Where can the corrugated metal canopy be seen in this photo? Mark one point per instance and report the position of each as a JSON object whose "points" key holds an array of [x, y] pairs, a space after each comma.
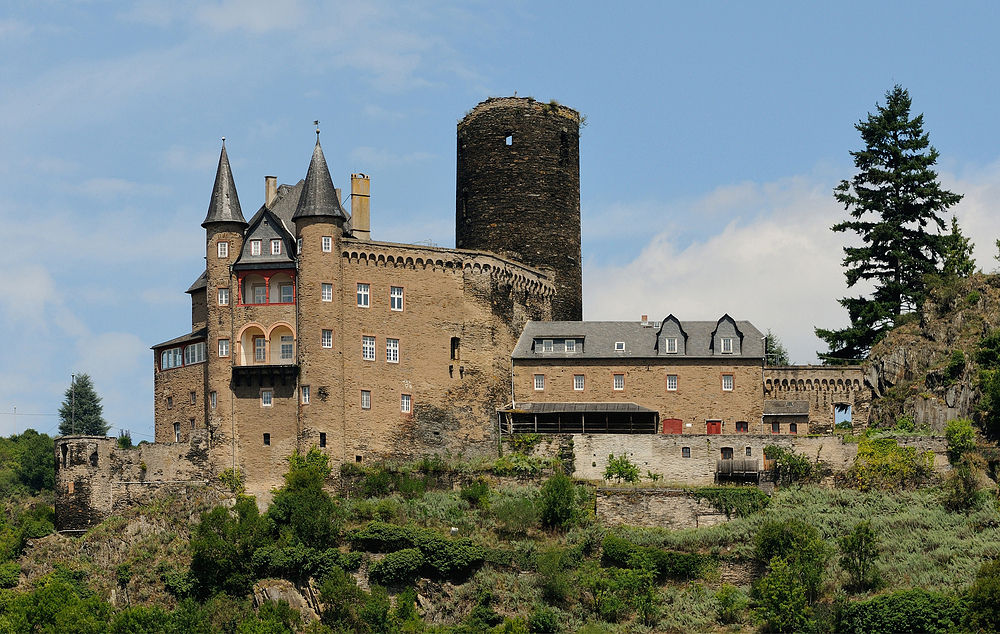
{"points": [[558, 408]]}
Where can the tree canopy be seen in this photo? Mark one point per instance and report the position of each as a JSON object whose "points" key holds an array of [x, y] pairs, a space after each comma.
{"points": [[777, 354], [81, 412], [897, 209]]}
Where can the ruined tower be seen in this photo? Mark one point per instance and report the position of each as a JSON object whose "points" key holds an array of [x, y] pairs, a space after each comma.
{"points": [[518, 190]]}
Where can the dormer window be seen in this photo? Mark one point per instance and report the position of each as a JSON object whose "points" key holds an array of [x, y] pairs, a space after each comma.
{"points": [[727, 345], [671, 344], [546, 345], [619, 346], [276, 247], [571, 345], [255, 247]]}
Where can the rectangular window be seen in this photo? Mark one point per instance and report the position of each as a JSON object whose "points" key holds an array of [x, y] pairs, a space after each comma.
{"points": [[267, 440], [172, 358], [546, 345], [287, 348], [742, 427], [223, 297], [266, 397], [685, 452], [793, 428], [619, 381], [539, 382], [392, 350], [456, 348], [727, 345], [170, 402], [298, 246], [223, 347], [366, 399], [259, 349], [213, 396], [327, 340], [327, 292], [727, 382], [404, 403], [304, 390], [749, 451], [775, 428], [396, 298], [619, 346], [368, 348], [287, 293], [276, 247], [259, 294], [362, 295], [192, 423], [194, 398], [177, 432], [571, 345], [671, 382], [223, 249], [322, 439], [327, 244], [578, 382], [671, 344], [255, 247], [195, 353]]}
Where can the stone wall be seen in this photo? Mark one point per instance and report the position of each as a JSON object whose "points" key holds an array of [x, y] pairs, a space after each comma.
{"points": [[824, 387], [664, 508]]}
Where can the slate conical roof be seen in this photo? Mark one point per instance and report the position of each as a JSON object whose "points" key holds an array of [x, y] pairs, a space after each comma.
{"points": [[225, 204], [319, 197]]}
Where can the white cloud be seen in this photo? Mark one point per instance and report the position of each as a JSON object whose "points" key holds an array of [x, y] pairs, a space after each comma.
{"points": [[256, 16]]}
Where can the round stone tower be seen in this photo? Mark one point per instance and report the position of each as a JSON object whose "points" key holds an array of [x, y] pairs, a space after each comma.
{"points": [[518, 190]]}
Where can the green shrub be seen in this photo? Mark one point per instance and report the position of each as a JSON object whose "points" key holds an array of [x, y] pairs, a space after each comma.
{"points": [[10, 574], [905, 424], [859, 550], [955, 368], [477, 493], [983, 607], [782, 602], [962, 491], [558, 501], [914, 610], [516, 514], [553, 580], [734, 501], [961, 438], [731, 604], [443, 557], [401, 566], [664, 563], [789, 466], [798, 546], [544, 620], [621, 469], [882, 464]]}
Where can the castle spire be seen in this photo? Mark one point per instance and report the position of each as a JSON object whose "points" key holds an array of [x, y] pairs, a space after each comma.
{"points": [[319, 198], [225, 204]]}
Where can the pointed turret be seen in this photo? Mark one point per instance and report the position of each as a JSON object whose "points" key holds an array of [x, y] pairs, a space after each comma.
{"points": [[225, 204], [319, 198]]}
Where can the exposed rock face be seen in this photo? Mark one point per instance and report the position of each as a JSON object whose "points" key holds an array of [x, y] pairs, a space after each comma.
{"points": [[282, 590], [913, 371]]}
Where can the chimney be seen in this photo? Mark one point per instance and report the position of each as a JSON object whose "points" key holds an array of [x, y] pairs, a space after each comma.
{"points": [[270, 190], [645, 320], [360, 206]]}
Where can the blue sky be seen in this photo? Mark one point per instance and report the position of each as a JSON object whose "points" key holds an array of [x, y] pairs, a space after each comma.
{"points": [[715, 134]]}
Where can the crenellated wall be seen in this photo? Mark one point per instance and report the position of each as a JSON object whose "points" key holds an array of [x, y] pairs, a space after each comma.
{"points": [[824, 387]]}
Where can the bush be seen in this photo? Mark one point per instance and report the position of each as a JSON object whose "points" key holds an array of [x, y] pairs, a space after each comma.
{"points": [[789, 466], [734, 501], [442, 557], [731, 603], [544, 620], [782, 604], [961, 438], [956, 366], [558, 501], [905, 424], [516, 514], [962, 491], [882, 464], [859, 550], [621, 469], [664, 563], [477, 493], [914, 610], [10, 574], [401, 566], [983, 611], [799, 547]]}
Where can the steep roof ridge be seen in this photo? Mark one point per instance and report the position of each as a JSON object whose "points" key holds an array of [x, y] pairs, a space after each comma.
{"points": [[225, 204], [319, 197]]}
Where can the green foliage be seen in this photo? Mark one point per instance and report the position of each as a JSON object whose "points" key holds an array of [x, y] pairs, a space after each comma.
{"points": [[914, 610], [731, 604], [124, 439], [961, 438], [905, 424], [957, 253], [520, 465], [10, 574], [222, 548], [516, 514], [799, 547], [544, 620], [955, 368], [553, 578], [777, 354], [444, 558], [81, 412], [962, 491], [35, 466], [621, 469], [892, 200], [664, 563], [558, 501], [858, 552], [734, 501], [789, 466], [314, 460], [524, 442], [401, 566], [983, 599], [882, 464], [233, 479], [301, 511], [782, 604], [477, 493]]}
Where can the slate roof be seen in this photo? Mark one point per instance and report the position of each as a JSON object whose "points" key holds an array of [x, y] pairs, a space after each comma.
{"points": [[319, 197], [599, 338], [225, 204], [265, 226], [200, 283], [197, 335], [554, 408]]}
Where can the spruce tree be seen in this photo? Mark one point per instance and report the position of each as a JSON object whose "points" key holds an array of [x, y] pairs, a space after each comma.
{"points": [[81, 413], [897, 210]]}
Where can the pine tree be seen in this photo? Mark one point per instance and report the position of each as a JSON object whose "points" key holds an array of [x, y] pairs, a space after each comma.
{"points": [[777, 354], [81, 413], [958, 260], [896, 206]]}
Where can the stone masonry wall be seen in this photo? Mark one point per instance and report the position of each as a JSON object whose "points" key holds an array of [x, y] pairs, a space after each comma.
{"points": [[824, 387], [671, 509]]}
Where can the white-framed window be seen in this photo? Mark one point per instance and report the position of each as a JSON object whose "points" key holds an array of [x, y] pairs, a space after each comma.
{"points": [[177, 432], [327, 339], [619, 382], [172, 358], [255, 247], [368, 348], [727, 345], [223, 249], [396, 298], [571, 345], [287, 293], [546, 345], [287, 348], [195, 353], [539, 382], [363, 295], [327, 292], [213, 397], [327, 244], [276, 247], [619, 346], [259, 294], [366, 399], [266, 398], [579, 381], [727, 382], [404, 403], [671, 382], [671, 344], [223, 347], [392, 350], [298, 247], [304, 391], [223, 297], [259, 349]]}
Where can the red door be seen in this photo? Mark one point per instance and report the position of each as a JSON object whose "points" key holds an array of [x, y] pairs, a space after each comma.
{"points": [[672, 426], [714, 426]]}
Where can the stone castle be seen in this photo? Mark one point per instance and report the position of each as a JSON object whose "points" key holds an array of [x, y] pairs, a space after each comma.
{"points": [[306, 332]]}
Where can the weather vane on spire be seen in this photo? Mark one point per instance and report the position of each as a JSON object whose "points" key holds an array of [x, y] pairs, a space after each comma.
{"points": [[316, 123]]}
